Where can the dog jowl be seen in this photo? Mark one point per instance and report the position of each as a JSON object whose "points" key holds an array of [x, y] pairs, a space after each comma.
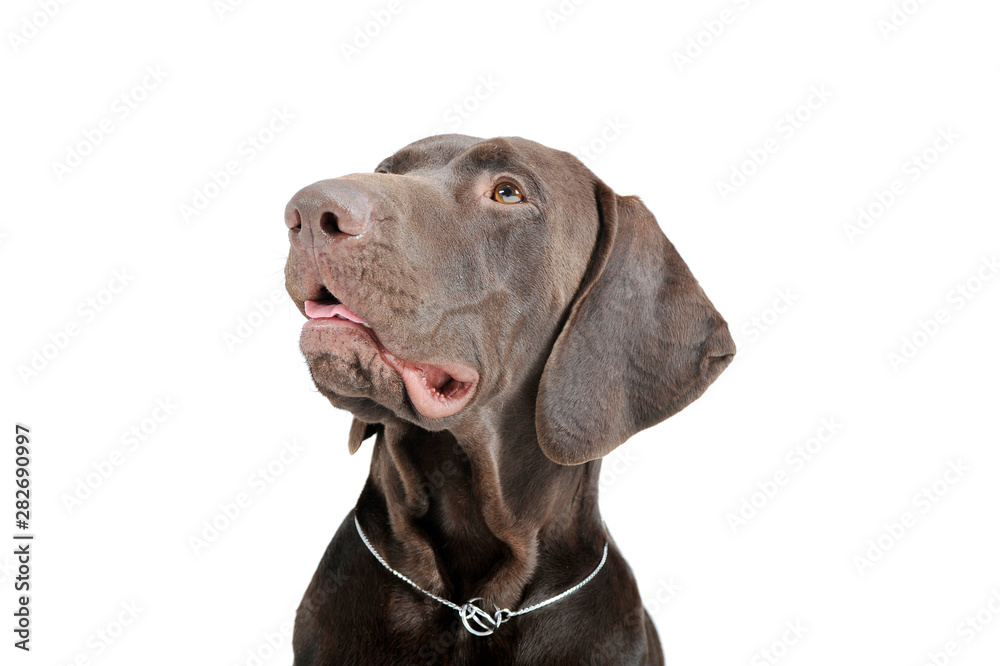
{"points": [[499, 320]]}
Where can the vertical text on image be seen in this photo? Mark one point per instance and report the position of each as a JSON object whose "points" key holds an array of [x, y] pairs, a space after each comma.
{"points": [[22, 540]]}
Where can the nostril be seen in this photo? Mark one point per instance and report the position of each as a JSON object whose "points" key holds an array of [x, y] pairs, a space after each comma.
{"points": [[328, 211], [292, 218], [328, 223]]}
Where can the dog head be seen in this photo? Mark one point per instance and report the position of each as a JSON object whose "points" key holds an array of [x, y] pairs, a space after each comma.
{"points": [[468, 276]]}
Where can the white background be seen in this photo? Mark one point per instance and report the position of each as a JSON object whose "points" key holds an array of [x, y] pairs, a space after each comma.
{"points": [[602, 76]]}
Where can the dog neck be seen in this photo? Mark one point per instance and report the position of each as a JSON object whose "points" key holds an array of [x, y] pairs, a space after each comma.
{"points": [[467, 516]]}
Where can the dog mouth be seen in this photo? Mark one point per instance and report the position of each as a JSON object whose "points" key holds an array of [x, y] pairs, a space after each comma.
{"points": [[436, 390]]}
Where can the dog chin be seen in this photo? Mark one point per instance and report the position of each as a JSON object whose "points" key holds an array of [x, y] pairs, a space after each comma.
{"points": [[351, 378], [364, 409]]}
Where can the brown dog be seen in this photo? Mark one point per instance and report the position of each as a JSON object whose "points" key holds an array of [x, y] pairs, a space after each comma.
{"points": [[500, 320]]}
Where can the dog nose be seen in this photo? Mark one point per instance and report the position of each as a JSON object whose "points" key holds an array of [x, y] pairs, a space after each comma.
{"points": [[326, 211]]}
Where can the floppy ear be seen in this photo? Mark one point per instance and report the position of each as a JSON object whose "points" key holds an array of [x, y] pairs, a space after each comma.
{"points": [[360, 431], [641, 341]]}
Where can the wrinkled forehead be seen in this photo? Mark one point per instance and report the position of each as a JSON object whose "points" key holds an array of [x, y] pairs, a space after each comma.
{"points": [[460, 159]]}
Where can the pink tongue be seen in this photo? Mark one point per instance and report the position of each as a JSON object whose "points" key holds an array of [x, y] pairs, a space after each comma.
{"points": [[317, 310]]}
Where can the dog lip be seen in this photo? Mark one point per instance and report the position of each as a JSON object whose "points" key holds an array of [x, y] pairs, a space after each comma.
{"points": [[435, 390]]}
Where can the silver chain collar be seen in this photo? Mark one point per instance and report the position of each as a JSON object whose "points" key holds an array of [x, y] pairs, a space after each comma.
{"points": [[477, 621]]}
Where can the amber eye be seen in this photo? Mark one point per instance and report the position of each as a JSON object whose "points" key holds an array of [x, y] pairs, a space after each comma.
{"points": [[507, 193]]}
